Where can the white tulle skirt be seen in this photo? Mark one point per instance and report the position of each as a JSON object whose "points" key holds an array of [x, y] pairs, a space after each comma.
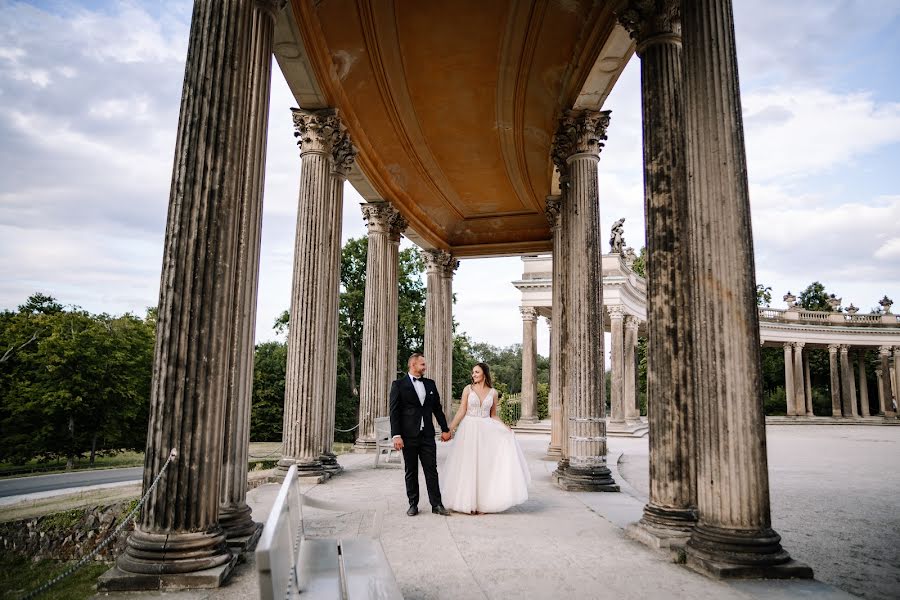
{"points": [[485, 470]]}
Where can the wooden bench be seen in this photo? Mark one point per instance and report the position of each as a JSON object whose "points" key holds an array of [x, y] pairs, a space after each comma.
{"points": [[290, 565], [384, 443]]}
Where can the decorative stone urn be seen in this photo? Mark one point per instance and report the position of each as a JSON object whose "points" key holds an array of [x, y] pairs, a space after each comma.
{"points": [[852, 310], [791, 300], [834, 303], [886, 304]]}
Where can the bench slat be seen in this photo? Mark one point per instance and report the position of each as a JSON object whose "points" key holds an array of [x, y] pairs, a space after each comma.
{"points": [[368, 574], [319, 569]]}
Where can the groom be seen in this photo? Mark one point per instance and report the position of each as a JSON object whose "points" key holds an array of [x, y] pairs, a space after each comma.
{"points": [[413, 400]]}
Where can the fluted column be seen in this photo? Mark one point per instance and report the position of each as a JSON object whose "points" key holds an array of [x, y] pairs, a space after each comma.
{"points": [[576, 152], [617, 364], [398, 227], [863, 384], [789, 386], [807, 385], [445, 369], [439, 267], [799, 380], [555, 324], [733, 536], [895, 379], [178, 531], [887, 386], [529, 365], [835, 380], [343, 155], [234, 514], [848, 399], [880, 391], [629, 387], [304, 402], [379, 321]]}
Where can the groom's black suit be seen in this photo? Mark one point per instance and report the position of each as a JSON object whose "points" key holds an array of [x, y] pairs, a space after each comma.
{"points": [[411, 420]]}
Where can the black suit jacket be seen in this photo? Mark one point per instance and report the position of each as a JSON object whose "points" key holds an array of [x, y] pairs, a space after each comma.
{"points": [[407, 413]]}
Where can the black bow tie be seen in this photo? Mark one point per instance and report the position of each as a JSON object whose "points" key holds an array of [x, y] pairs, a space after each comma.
{"points": [[417, 379]]}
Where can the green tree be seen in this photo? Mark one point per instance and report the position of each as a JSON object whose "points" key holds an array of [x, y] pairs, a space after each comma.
{"points": [[763, 295], [267, 413], [640, 263], [814, 297]]}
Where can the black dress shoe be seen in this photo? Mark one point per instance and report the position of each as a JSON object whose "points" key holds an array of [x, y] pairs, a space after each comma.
{"points": [[440, 510], [413, 510]]}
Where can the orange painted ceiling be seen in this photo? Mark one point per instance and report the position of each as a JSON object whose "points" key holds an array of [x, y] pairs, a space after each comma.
{"points": [[452, 105]]}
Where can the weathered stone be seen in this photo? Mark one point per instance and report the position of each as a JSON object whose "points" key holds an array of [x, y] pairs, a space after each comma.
{"points": [[557, 377], [835, 380], [529, 365], [439, 269]]}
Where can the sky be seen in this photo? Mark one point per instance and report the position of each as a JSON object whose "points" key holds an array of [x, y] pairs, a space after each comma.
{"points": [[89, 96]]}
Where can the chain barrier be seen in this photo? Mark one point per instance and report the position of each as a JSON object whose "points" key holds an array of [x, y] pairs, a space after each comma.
{"points": [[347, 430], [85, 559], [272, 453]]}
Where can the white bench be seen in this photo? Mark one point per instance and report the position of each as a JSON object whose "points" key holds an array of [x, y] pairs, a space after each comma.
{"points": [[384, 444], [289, 565]]}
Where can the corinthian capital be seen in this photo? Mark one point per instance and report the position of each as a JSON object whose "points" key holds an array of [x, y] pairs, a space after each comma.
{"points": [[398, 225], [436, 261], [316, 131], [554, 205], [528, 313], [579, 132], [378, 216], [651, 20], [344, 154]]}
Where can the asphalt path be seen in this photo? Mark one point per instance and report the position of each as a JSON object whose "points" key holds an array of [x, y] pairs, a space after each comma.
{"points": [[20, 486]]}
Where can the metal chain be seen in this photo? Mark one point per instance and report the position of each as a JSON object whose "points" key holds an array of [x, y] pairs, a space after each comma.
{"points": [[272, 453], [84, 560], [347, 430]]}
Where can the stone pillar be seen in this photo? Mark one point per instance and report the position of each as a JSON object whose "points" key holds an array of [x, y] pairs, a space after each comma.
{"points": [[789, 386], [234, 514], [887, 386], [556, 328], [895, 380], [848, 398], [629, 388], [379, 321], [576, 152], [733, 536], [446, 367], [439, 268], [835, 380], [529, 365], [807, 385], [880, 392], [178, 533], [863, 384], [799, 380], [304, 401], [343, 156], [617, 364]]}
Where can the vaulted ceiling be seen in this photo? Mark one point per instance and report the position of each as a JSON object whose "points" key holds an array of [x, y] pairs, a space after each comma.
{"points": [[452, 104]]}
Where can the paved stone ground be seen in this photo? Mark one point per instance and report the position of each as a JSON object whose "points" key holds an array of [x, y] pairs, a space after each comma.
{"points": [[835, 500]]}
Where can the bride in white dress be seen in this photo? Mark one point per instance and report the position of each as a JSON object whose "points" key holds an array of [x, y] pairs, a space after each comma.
{"points": [[485, 471]]}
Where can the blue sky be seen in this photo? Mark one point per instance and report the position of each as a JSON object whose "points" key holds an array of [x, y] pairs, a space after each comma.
{"points": [[89, 95]]}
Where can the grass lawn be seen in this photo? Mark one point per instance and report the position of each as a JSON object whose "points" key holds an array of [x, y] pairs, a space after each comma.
{"points": [[20, 575]]}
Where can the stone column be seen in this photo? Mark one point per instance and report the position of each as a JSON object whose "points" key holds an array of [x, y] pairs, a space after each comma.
{"points": [[629, 388], [789, 386], [304, 402], [617, 364], [446, 366], [576, 152], [529, 364], [234, 514], [808, 385], [556, 328], [863, 384], [895, 380], [439, 267], [733, 535], [178, 535], [343, 156], [887, 385], [880, 392], [379, 320], [848, 398], [835, 380], [799, 380]]}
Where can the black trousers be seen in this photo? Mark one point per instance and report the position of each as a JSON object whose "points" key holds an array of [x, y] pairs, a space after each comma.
{"points": [[421, 448]]}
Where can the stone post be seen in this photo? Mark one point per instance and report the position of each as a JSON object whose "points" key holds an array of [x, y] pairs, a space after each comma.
{"points": [[446, 367], [343, 156], [895, 380], [234, 514], [880, 392], [529, 365], [178, 537], [576, 152], [887, 385], [789, 386], [556, 328], [848, 399], [379, 321], [439, 267], [807, 385], [617, 364], [629, 389], [835, 380], [304, 401], [733, 536], [799, 380], [863, 384]]}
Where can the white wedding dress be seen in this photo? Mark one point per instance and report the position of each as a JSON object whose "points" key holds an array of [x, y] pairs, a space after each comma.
{"points": [[486, 469]]}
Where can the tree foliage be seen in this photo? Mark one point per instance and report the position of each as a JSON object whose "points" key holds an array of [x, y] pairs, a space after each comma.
{"points": [[814, 297]]}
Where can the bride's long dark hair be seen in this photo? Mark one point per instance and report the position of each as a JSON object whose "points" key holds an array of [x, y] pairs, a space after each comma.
{"points": [[487, 374]]}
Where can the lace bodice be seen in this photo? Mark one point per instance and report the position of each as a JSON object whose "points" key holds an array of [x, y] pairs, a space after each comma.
{"points": [[477, 407]]}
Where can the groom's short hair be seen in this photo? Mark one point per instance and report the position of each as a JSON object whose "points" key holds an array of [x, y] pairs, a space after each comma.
{"points": [[414, 356]]}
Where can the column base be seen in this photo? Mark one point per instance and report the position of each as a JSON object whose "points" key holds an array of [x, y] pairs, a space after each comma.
{"points": [[117, 580], [236, 521], [159, 554], [740, 554], [554, 452], [364, 445], [310, 470], [664, 529], [836, 413], [637, 428], [330, 464], [585, 479], [528, 420], [245, 543]]}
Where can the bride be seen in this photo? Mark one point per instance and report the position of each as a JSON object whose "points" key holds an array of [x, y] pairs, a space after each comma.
{"points": [[486, 469]]}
